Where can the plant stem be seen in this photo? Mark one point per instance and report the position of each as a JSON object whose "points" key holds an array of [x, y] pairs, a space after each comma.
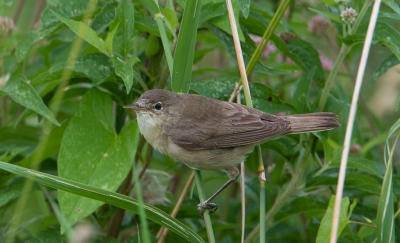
{"points": [[267, 36], [286, 194], [206, 215]]}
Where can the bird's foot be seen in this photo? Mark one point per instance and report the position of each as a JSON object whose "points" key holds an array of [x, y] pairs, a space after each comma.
{"points": [[212, 207]]}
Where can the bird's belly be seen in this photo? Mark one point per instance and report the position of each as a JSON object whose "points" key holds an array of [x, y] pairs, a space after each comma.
{"points": [[209, 159]]}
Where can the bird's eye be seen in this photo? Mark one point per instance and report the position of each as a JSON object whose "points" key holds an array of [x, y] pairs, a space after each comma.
{"points": [[158, 106]]}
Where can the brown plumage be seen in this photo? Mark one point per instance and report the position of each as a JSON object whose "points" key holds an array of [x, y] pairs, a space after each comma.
{"points": [[210, 134]]}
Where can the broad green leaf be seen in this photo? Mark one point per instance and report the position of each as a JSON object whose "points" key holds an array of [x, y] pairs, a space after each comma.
{"points": [[255, 23], [389, 62], [24, 94], [85, 32], [301, 88], [156, 215], [95, 66], [125, 70], [103, 19], [184, 54], [124, 38], [362, 164], [392, 4], [307, 59], [334, 17], [355, 181], [211, 10], [301, 205], [92, 153], [388, 36], [324, 231], [244, 6]]}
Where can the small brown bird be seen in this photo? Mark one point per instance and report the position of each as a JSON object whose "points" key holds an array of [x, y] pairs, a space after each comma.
{"points": [[210, 134]]}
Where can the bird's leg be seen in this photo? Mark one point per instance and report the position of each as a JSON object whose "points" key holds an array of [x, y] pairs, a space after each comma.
{"points": [[233, 174]]}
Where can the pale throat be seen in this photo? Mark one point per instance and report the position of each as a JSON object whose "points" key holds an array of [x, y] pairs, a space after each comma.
{"points": [[153, 130]]}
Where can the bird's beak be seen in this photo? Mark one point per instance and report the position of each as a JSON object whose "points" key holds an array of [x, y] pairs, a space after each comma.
{"points": [[135, 106]]}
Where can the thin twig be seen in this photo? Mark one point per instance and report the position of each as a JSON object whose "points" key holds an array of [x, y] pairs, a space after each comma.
{"points": [[162, 233]]}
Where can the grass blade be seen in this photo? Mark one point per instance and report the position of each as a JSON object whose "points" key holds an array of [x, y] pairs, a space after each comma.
{"points": [[118, 200]]}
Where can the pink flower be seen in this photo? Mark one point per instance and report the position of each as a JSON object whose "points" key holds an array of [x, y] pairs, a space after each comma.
{"points": [[327, 64], [318, 25], [268, 49]]}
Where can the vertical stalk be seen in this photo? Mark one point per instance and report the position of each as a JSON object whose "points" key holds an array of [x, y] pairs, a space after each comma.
{"points": [[206, 215]]}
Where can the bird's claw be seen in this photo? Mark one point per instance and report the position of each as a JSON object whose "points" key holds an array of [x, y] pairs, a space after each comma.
{"points": [[201, 207]]}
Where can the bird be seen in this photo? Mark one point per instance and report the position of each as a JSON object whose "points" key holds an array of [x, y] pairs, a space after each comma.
{"points": [[209, 134]]}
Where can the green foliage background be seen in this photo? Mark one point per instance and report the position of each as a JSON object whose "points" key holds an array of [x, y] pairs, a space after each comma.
{"points": [[68, 68]]}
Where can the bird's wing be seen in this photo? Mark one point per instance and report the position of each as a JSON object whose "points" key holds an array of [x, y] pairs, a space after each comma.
{"points": [[231, 125]]}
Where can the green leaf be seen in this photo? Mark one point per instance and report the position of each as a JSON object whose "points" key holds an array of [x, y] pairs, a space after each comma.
{"points": [[300, 98], [210, 11], [362, 164], [125, 70], [244, 6], [49, 23], [152, 6], [392, 4], [103, 19], [386, 35], [222, 22], [24, 94], [171, 20], [156, 215], [46, 149], [85, 32], [95, 66], [334, 17], [385, 215], [110, 38], [221, 88], [389, 62], [307, 59], [92, 153], [355, 181], [301, 205], [184, 54], [248, 49], [324, 231], [124, 38]]}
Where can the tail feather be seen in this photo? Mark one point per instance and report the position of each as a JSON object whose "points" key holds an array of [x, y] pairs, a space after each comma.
{"points": [[313, 122]]}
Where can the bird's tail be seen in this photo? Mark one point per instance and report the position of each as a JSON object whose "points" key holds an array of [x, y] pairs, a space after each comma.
{"points": [[313, 122]]}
